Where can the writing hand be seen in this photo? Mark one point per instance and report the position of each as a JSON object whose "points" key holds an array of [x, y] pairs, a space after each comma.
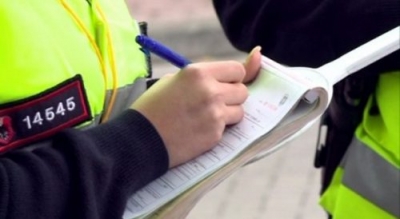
{"points": [[191, 109]]}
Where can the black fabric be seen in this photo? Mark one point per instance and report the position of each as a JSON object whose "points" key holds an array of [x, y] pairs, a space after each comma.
{"points": [[311, 33], [83, 174], [306, 32]]}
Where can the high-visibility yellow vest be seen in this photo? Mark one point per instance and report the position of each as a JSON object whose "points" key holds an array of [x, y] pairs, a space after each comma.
{"points": [[367, 183], [45, 43]]}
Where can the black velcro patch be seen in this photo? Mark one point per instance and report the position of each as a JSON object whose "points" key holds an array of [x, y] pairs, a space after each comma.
{"points": [[40, 116]]}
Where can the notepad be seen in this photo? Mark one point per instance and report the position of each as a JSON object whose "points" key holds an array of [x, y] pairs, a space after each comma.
{"points": [[283, 102]]}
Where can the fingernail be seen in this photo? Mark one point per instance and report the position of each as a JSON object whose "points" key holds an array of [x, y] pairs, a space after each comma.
{"points": [[254, 50]]}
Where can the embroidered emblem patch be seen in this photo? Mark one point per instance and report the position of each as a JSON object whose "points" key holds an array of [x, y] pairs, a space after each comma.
{"points": [[6, 130], [35, 118]]}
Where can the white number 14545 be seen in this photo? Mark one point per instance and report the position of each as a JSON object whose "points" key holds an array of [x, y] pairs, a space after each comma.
{"points": [[50, 113]]}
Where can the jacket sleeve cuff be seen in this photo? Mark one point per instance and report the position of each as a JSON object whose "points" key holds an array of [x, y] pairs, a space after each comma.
{"points": [[138, 152]]}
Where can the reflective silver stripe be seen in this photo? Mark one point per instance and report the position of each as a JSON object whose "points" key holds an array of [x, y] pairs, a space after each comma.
{"points": [[126, 96], [372, 177]]}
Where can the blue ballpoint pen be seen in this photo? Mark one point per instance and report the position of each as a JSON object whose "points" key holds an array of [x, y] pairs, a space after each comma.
{"points": [[162, 51]]}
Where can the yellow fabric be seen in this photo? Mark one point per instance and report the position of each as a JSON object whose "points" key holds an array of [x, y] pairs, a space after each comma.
{"points": [[382, 134], [48, 43], [343, 203]]}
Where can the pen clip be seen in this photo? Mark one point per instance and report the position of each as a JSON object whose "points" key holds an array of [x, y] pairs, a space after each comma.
{"points": [[143, 30]]}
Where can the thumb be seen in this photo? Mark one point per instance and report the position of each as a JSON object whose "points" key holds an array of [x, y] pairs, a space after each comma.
{"points": [[252, 64]]}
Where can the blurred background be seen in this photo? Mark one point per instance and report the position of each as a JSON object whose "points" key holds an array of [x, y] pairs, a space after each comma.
{"points": [[284, 185]]}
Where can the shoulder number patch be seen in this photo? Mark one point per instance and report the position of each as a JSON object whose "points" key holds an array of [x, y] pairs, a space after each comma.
{"points": [[40, 116]]}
